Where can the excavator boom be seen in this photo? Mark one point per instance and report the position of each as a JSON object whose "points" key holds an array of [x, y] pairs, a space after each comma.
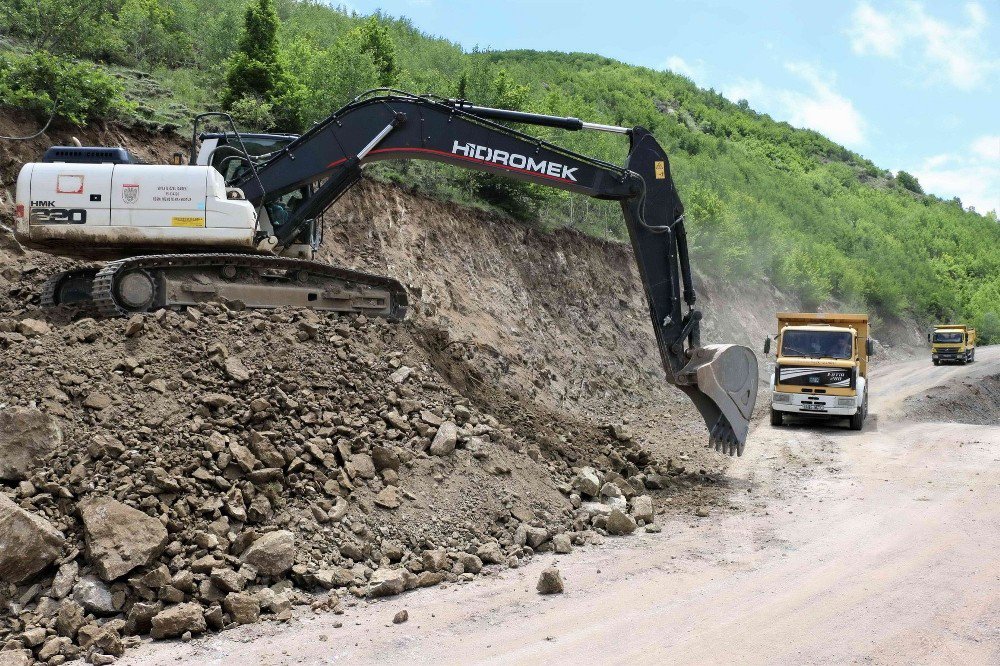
{"points": [[721, 380]]}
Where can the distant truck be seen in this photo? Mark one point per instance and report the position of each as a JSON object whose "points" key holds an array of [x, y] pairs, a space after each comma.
{"points": [[952, 342], [821, 368]]}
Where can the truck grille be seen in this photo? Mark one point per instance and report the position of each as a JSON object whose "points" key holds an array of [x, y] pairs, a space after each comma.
{"points": [[796, 375]]}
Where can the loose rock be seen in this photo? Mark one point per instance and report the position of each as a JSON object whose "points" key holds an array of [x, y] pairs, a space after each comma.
{"points": [[94, 596], [445, 439], [26, 437], [28, 542], [642, 508], [620, 523], [550, 582], [387, 582], [120, 538], [177, 620], [272, 554]]}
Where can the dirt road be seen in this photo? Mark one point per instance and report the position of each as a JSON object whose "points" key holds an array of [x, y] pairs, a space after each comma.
{"points": [[874, 547]]}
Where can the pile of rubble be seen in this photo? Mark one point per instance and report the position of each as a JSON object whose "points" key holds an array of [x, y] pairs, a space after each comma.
{"points": [[184, 472]]}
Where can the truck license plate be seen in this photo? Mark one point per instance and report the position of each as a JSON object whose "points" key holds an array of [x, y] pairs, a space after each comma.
{"points": [[813, 407]]}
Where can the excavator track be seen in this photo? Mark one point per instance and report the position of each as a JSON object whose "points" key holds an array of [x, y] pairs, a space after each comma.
{"points": [[141, 284], [68, 287]]}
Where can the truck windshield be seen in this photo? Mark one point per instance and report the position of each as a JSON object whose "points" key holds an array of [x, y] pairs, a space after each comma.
{"points": [[945, 336], [817, 344]]}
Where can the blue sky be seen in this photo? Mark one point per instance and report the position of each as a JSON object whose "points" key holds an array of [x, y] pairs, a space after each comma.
{"points": [[912, 85]]}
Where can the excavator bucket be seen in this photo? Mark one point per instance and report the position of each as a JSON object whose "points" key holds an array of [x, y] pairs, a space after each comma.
{"points": [[725, 392]]}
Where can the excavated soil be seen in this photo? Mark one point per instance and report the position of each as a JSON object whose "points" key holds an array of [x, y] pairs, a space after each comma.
{"points": [[427, 448], [961, 400]]}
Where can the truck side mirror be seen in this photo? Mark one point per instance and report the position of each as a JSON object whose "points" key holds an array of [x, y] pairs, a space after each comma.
{"points": [[928, 337], [869, 346], [767, 345]]}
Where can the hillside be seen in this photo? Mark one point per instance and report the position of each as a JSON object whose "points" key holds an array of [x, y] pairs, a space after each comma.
{"points": [[762, 198]]}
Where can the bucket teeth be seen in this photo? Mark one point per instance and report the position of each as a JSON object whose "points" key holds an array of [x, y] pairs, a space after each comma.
{"points": [[724, 440], [724, 390]]}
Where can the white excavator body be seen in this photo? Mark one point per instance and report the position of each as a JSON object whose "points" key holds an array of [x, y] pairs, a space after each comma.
{"points": [[107, 209]]}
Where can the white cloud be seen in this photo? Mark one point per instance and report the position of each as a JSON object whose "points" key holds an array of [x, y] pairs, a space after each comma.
{"points": [[819, 106], [873, 32], [679, 65], [987, 147], [974, 176], [953, 53]]}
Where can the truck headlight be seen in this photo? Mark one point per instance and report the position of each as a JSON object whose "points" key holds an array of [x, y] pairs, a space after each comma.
{"points": [[845, 402], [782, 397]]}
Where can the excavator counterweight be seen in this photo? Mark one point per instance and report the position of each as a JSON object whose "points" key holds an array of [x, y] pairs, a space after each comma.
{"points": [[239, 224]]}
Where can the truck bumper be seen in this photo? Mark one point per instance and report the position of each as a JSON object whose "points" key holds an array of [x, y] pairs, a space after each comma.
{"points": [[810, 404]]}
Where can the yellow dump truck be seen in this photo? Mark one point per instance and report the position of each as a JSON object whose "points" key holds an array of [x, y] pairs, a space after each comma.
{"points": [[821, 368], [952, 342]]}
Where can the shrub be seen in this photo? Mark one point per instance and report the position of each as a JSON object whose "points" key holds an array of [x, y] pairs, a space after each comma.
{"points": [[80, 92], [909, 182]]}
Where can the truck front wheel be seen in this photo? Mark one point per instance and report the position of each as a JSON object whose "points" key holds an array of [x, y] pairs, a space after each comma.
{"points": [[937, 362], [775, 417], [858, 420]]}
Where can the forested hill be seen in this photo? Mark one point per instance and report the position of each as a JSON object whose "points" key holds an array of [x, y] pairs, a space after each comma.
{"points": [[762, 197]]}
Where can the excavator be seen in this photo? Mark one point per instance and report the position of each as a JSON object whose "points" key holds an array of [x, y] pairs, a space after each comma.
{"points": [[238, 223]]}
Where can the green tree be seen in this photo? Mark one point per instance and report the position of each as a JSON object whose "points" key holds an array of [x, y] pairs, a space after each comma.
{"points": [[255, 72], [80, 27], [909, 182], [150, 33], [490, 86], [376, 40], [329, 77]]}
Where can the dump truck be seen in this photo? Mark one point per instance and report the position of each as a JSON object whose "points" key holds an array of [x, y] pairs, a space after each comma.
{"points": [[953, 343], [821, 370], [241, 223]]}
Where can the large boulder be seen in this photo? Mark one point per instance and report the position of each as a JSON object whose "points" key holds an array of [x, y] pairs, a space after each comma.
{"points": [[642, 508], [620, 523], [272, 554], [26, 437], [120, 538], [94, 596], [387, 582], [587, 482], [28, 542], [243, 607], [178, 619], [445, 439]]}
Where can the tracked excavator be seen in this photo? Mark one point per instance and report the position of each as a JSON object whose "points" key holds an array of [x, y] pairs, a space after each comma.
{"points": [[238, 223]]}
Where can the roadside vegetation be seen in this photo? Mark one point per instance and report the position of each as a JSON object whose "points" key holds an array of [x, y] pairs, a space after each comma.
{"points": [[762, 197]]}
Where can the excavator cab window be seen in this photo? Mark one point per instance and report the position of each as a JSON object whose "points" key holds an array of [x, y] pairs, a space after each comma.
{"points": [[227, 159]]}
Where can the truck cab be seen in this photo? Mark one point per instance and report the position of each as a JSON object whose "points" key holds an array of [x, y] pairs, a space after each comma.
{"points": [[955, 343], [821, 368]]}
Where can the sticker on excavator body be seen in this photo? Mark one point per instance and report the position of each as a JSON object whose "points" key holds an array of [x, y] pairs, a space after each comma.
{"points": [[187, 222], [661, 169], [69, 184]]}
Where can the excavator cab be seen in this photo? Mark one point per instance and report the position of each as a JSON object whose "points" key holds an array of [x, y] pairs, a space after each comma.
{"points": [[222, 151]]}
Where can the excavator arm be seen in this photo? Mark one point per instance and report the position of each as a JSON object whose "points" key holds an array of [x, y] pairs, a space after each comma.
{"points": [[721, 380]]}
